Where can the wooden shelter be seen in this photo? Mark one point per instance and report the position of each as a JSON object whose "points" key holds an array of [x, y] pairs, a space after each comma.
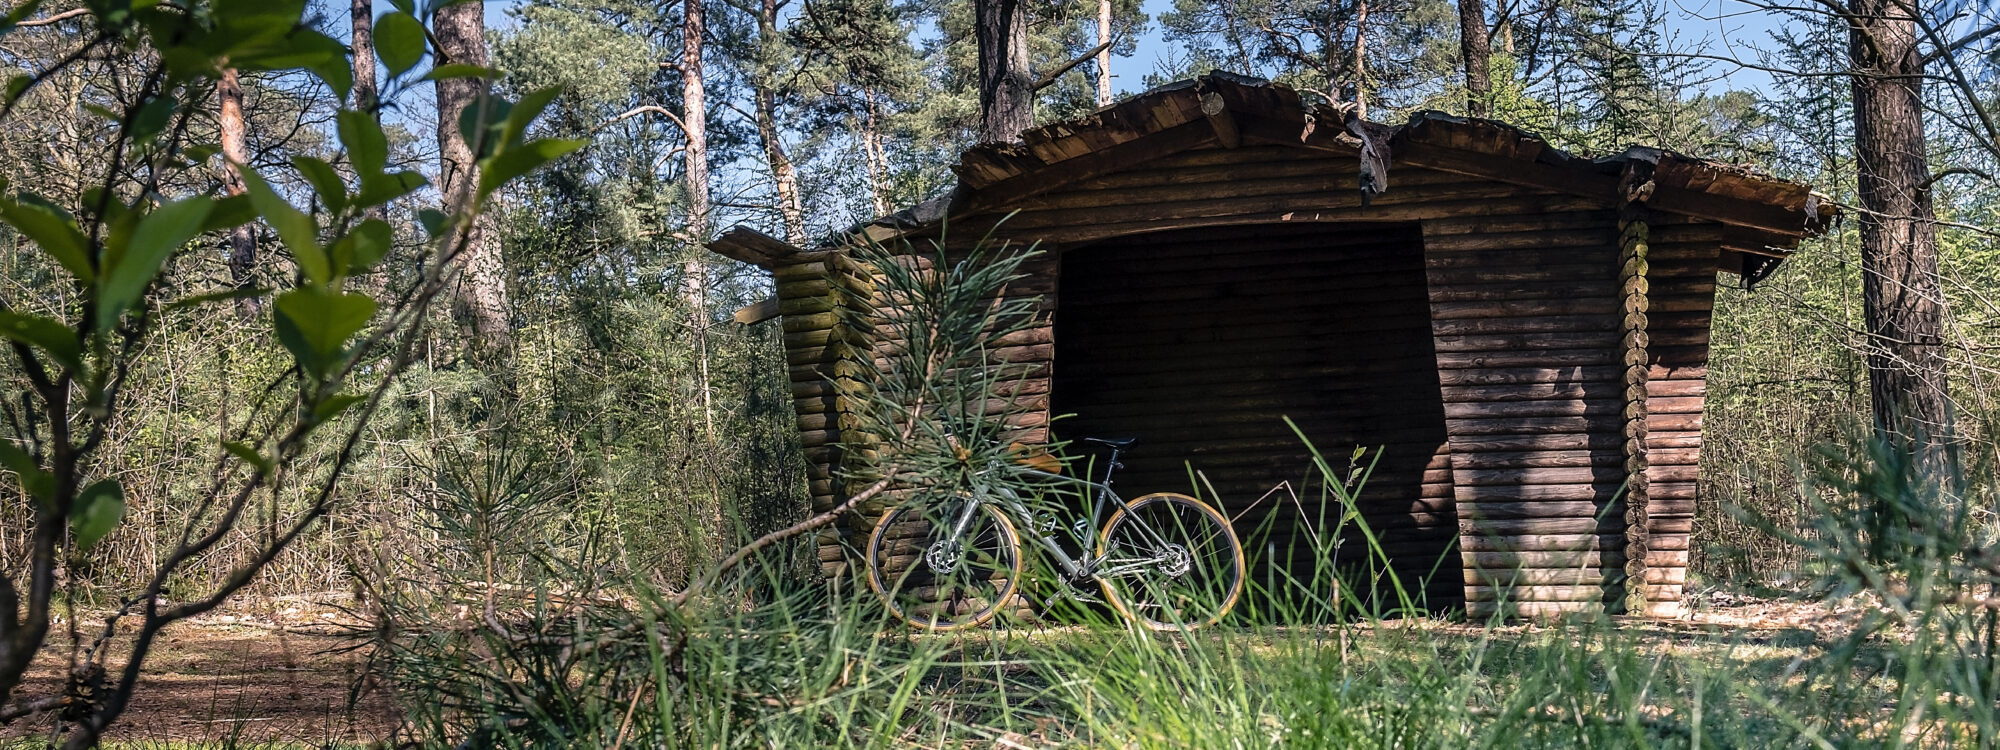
{"points": [[1522, 333]]}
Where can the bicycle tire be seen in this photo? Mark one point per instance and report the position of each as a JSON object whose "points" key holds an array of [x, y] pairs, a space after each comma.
{"points": [[1193, 587], [904, 553]]}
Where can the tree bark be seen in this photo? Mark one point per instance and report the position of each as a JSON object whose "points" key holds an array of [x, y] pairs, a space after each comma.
{"points": [[362, 13], [1901, 296], [1006, 85], [1104, 53], [482, 290], [694, 120], [1361, 59], [1476, 48], [236, 150], [878, 167], [783, 172]]}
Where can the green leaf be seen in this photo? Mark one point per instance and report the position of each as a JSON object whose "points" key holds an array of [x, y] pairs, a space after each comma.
{"points": [[45, 334], [53, 230], [231, 212], [152, 118], [98, 509], [406, 6], [433, 220], [250, 456], [201, 152], [17, 85], [367, 147], [39, 484], [372, 239], [378, 188], [449, 71], [159, 234], [524, 112], [326, 182], [203, 299], [296, 228], [334, 405], [315, 324], [481, 124], [399, 41], [522, 159]]}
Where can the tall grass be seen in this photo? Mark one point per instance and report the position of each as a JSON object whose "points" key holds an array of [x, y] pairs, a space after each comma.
{"points": [[806, 664]]}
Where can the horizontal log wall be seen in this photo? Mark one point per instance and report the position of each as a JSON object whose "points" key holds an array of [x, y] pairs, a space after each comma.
{"points": [[1684, 257], [1200, 343], [1205, 308], [1528, 320]]}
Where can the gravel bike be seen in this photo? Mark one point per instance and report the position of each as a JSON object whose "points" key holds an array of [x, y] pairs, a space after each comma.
{"points": [[1166, 561]]}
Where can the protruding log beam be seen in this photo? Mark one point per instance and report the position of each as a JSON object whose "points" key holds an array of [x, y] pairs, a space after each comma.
{"points": [[1217, 112]]}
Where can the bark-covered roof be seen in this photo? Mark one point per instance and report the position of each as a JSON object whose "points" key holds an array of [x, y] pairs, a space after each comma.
{"points": [[1767, 216]]}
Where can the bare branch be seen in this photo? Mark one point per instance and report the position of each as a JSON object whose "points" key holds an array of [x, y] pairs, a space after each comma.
{"points": [[1050, 79], [55, 19]]}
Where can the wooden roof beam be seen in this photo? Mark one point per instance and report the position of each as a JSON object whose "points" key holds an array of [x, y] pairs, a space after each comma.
{"points": [[1219, 118], [760, 249], [1774, 220]]}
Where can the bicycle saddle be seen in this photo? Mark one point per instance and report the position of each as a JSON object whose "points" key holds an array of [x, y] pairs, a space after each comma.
{"points": [[1119, 443]]}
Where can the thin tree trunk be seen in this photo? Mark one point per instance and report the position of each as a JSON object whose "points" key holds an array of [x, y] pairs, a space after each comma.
{"points": [[1361, 59], [1006, 85], [1476, 48], [783, 172], [482, 290], [694, 118], [878, 167], [1104, 54], [236, 149], [362, 13], [1901, 298]]}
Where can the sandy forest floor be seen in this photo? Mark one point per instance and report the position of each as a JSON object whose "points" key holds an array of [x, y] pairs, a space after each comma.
{"points": [[272, 672], [280, 672]]}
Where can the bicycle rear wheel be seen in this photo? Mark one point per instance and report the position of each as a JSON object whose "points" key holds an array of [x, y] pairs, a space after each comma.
{"points": [[935, 579], [1171, 562]]}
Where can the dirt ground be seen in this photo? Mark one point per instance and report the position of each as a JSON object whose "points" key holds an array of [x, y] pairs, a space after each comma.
{"points": [[278, 672], [274, 672]]}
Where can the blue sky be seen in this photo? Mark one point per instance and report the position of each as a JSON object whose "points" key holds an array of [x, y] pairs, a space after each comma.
{"points": [[1716, 27]]}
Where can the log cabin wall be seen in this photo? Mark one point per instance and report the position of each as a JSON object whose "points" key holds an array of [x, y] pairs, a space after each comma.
{"points": [[1519, 290], [1568, 301], [1201, 342]]}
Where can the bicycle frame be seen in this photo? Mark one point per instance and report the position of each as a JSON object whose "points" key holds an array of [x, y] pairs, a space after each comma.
{"points": [[1085, 565]]}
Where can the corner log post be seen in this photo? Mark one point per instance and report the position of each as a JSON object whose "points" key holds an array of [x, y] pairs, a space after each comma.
{"points": [[1634, 238], [820, 301]]}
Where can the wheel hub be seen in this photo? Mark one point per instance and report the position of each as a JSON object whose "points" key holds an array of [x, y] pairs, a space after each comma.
{"points": [[1175, 561], [943, 555]]}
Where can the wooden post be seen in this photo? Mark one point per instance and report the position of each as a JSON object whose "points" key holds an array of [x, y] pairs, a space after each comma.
{"points": [[1634, 236]]}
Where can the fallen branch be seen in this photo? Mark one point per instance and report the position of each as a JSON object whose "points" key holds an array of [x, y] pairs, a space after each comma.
{"points": [[29, 708]]}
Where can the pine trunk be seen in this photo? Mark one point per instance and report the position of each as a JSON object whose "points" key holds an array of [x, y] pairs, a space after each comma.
{"points": [[362, 13], [1104, 54], [236, 149], [482, 289], [1476, 49], [1006, 85], [1901, 297], [782, 170], [878, 166]]}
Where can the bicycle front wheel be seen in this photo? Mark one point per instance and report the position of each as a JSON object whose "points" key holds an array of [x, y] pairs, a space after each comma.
{"points": [[1171, 562], [934, 575]]}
